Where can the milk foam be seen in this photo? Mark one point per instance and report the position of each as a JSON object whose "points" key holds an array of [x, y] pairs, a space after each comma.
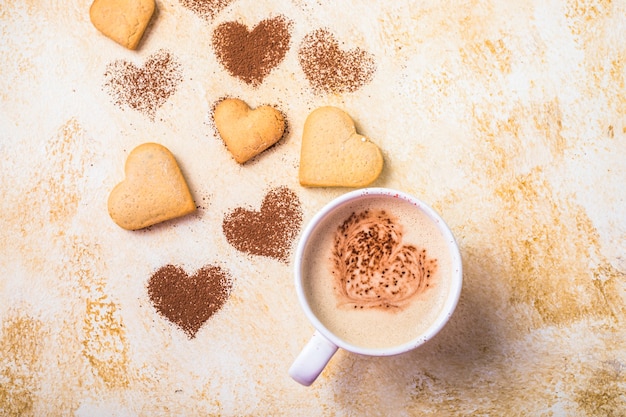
{"points": [[378, 317]]}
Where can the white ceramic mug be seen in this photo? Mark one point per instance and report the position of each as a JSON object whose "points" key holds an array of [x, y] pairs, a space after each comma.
{"points": [[322, 346]]}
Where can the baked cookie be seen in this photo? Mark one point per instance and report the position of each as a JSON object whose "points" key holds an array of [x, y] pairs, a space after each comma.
{"points": [[333, 154], [124, 21], [247, 132], [153, 191]]}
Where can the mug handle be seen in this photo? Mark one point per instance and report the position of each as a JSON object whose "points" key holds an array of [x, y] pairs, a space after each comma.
{"points": [[312, 359]]}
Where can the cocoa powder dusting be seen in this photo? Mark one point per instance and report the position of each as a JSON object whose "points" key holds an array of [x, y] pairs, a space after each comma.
{"points": [[206, 9], [143, 89], [189, 301], [330, 69], [252, 55], [269, 232]]}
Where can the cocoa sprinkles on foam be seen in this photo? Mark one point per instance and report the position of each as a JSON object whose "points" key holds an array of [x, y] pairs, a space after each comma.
{"points": [[373, 267]]}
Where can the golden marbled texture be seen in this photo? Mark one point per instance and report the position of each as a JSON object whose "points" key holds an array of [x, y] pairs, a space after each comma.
{"points": [[583, 13], [104, 343], [603, 391], [20, 364], [550, 244]]}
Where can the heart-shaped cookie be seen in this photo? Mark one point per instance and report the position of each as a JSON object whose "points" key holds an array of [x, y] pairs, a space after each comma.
{"points": [[153, 191], [333, 154], [372, 265], [189, 301], [269, 232], [252, 55], [247, 132], [124, 21], [330, 69], [145, 88]]}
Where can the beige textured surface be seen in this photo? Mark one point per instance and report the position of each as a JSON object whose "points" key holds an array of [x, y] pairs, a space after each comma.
{"points": [[507, 116]]}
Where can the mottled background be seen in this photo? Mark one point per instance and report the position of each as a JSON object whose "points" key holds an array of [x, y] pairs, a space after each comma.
{"points": [[509, 117]]}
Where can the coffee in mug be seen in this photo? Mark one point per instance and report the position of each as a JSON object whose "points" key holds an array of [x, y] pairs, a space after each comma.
{"points": [[377, 272]]}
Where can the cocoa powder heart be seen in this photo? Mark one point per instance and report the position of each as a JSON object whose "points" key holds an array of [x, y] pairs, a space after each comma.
{"points": [[252, 55], [269, 232], [330, 69], [189, 301], [145, 88]]}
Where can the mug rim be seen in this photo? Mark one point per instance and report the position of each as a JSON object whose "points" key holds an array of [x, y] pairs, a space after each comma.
{"points": [[451, 300]]}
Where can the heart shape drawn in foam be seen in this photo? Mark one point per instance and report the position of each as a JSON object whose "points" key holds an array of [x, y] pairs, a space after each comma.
{"points": [[153, 191], [333, 154], [247, 132], [189, 301], [372, 267], [330, 69], [252, 55], [145, 88], [269, 232]]}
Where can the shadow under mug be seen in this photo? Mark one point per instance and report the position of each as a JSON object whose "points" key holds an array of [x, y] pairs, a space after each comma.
{"points": [[316, 354]]}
